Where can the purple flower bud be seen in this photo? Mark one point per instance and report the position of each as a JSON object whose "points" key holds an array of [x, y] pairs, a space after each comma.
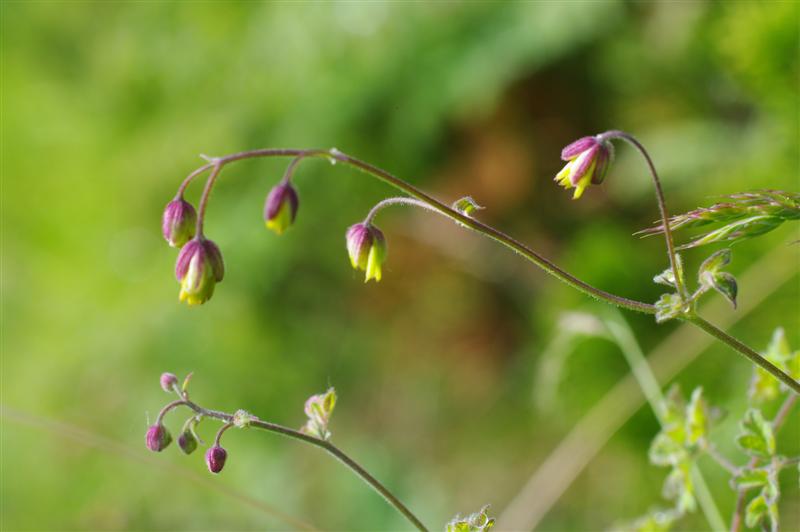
{"points": [[198, 269], [157, 438], [215, 458], [178, 222], [168, 382], [187, 442], [367, 249], [280, 209], [588, 160]]}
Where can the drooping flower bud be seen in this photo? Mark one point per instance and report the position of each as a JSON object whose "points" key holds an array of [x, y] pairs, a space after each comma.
{"points": [[198, 269], [168, 381], [367, 249], [187, 442], [178, 222], [280, 208], [587, 162], [215, 458], [157, 438]]}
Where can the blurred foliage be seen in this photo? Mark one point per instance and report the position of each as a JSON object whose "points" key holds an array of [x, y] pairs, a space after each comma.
{"points": [[105, 106]]}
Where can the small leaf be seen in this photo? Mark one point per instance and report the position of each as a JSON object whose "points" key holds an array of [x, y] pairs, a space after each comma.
{"points": [[678, 487], [668, 306], [696, 417], [757, 438], [755, 511], [725, 284], [666, 278], [751, 478], [674, 405], [715, 262], [467, 206], [665, 451], [477, 522]]}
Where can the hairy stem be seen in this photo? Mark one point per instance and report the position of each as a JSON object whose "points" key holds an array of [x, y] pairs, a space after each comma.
{"points": [[216, 165], [662, 204], [777, 422], [754, 356], [394, 201], [337, 453]]}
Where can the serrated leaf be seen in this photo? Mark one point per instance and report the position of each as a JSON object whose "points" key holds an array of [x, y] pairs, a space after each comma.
{"points": [[668, 306], [755, 511], [751, 478], [696, 417], [756, 438]]}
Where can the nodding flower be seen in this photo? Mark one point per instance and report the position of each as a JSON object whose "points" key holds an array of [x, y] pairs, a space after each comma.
{"points": [[178, 222], [587, 159], [215, 458], [157, 438], [280, 208], [367, 249], [198, 269]]}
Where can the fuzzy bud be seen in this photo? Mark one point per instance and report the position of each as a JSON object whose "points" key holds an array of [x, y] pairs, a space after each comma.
{"points": [[168, 382], [215, 458], [587, 159], [367, 249], [198, 269], [157, 438], [187, 442], [280, 209], [178, 222]]}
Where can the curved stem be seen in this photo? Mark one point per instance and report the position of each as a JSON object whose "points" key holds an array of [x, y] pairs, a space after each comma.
{"points": [[334, 155], [754, 356], [662, 204], [395, 201], [167, 408], [323, 444], [201, 211], [221, 431]]}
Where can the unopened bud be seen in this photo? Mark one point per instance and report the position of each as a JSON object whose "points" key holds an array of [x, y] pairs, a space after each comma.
{"points": [[367, 249], [198, 269], [157, 438], [187, 442], [168, 382], [587, 159], [178, 222], [280, 209], [215, 458]]}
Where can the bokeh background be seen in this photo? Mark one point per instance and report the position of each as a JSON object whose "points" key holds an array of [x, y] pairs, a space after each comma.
{"points": [[105, 107]]}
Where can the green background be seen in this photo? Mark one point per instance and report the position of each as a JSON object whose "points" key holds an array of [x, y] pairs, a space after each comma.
{"points": [[105, 107]]}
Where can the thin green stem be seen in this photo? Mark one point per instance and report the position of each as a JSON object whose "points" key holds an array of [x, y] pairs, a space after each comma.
{"points": [[323, 444], [623, 336], [662, 204], [334, 155], [738, 346]]}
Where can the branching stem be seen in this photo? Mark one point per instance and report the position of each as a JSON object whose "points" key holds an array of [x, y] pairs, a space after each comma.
{"points": [[337, 453], [217, 163]]}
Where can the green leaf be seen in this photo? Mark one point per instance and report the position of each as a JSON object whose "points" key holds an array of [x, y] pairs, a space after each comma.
{"points": [[696, 417], [674, 406], [751, 478], [666, 278], [678, 486], [467, 206], [756, 438], [715, 262], [668, 306], [778, 349], [724, 283], [477, 522], [666, 451], [755, 511]]}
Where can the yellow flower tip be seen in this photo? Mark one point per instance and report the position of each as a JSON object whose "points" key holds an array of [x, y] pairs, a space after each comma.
{"points": [[275, 227]]}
